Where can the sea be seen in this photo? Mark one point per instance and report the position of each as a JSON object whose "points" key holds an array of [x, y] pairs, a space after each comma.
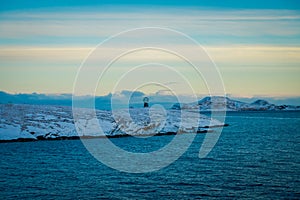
{"points": [[256, 157]]}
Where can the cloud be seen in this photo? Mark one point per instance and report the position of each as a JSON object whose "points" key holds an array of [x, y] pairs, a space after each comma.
{"points": [[41, 51], [132, 94], [103, 23], [226, 57]]}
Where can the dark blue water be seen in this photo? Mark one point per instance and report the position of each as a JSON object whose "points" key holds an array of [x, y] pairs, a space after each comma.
{"points": [[256, 157]]}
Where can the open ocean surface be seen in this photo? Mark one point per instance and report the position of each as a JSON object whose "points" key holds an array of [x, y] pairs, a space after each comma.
{"points": [[256, 157]]}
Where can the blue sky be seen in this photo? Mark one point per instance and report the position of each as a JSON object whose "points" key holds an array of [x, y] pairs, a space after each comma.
{"points": [[255, 44], [236, 4]]}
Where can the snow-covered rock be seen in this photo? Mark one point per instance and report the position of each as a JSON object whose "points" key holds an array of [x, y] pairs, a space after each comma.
{"points": [[219, 103], [37, 122]]}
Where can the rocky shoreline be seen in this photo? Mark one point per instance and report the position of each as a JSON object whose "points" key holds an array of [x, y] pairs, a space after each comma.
{"points": [[24, 123]]}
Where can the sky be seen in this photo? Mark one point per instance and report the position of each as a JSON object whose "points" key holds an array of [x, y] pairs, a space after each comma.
{"points": [[255, 45]]}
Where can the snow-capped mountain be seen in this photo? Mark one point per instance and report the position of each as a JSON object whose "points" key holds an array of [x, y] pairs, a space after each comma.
{"points": [[37, 122], [226, 104]]}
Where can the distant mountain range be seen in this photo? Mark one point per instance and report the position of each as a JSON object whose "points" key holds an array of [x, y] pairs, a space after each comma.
{"points": [[225, 103], [101, 102], [104, 102]]}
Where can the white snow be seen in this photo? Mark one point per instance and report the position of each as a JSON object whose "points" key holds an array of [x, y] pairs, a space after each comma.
{"points": [[11, 132], [35, 121], [220, 103]]}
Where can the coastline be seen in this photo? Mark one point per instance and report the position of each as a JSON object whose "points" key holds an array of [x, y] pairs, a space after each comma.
{"points": [[107, 136]]}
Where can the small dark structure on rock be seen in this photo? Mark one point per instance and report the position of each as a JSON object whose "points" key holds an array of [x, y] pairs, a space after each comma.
{"points": [[146, 102]]}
